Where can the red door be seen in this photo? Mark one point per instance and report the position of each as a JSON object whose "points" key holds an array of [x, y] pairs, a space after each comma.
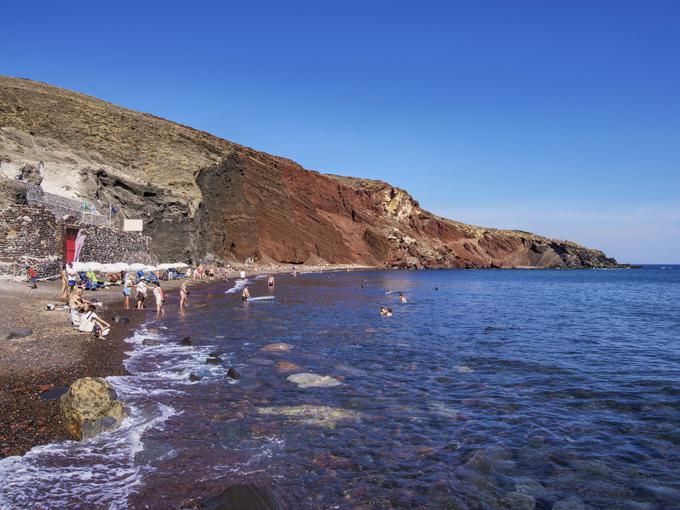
{"points": [[70, 245]]}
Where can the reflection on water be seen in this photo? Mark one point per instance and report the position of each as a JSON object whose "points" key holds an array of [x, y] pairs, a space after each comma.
{"points": [[501, 389]]}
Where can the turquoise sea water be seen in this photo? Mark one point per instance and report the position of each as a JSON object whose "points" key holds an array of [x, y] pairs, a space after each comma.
{"points": [[488, 389]]}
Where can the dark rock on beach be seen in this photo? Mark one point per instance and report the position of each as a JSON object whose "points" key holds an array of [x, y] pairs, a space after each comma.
{"points": [[233, 373], [15, 333], [244, 497], [119, 319], [185, 341]]}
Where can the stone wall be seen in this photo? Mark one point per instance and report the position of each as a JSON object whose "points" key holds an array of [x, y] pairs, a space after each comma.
{"points": [[30, 236], [33, 236], [108, 246]]}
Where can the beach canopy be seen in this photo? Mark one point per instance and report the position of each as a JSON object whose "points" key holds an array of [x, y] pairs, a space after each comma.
{"points": [[79, 266], [164, 267], [137, 267], [180, 265], [120, 266], [149, 268]]}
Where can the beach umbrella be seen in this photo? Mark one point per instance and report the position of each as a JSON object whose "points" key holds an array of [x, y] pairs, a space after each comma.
{"points": [[165, 267], [149, 268], [137, 266], [180, 265], [79, 266], [109, 268], [120, 266]]}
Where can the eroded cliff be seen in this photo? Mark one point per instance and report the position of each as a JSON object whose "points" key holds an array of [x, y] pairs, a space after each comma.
{"points": [[200, 194]]}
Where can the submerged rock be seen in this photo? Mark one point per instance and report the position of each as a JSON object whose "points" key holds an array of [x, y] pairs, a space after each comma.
{"points": [[90, 407], [194, 377], [245, 496], [277, 347], [150, 342], [321, 416], [233, 373], [286, 366], [310, 380], [185, 341], [213, 360]]}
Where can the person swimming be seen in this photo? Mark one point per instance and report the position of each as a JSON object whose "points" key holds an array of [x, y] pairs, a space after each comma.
{"points": [[245, 296], [385, 312], [402, 298], [271, 282]]}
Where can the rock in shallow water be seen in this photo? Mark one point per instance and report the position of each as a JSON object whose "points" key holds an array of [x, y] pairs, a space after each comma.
{"points": [[322, 416], [244, 497], [150, 342], [233, 373], [310, 380], [286, 366], [277, 347], [90, 407], [185, 341]]}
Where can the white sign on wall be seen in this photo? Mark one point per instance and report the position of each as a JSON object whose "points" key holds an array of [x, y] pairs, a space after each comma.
{"points": [[132, 225]]}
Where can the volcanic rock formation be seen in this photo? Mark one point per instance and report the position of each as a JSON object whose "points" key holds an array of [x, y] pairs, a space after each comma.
{"points": [[199, 194]]}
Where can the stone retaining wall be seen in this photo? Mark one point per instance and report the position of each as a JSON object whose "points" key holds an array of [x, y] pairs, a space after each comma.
{"points": [[33, 236]]}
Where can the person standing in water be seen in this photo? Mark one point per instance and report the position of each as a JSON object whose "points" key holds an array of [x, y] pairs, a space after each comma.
{"points": [[245, 296], [271, 281], [160, 297], [183, 295], [402, 298], [127, 291], [141, 293]]}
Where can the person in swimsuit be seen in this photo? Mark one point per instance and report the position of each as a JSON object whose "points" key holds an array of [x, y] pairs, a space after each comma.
{"points": [[385, 312], [402, 298], [127, 291], [271, 281], [183, 295], [160, 297], [245, 296]]}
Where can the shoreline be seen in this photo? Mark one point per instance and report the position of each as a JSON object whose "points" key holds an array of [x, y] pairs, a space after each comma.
{"points": [[36, 369]]}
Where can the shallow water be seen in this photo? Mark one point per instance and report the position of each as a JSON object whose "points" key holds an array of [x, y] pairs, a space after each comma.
{"points": [[501, 389]]}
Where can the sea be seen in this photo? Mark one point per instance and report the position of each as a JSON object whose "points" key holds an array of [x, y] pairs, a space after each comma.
{"points": [[487, 389]]}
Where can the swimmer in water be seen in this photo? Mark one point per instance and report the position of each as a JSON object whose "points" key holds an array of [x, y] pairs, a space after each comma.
{"points": [[402, 298], [246, 294], [388, 291], [271, 281], [385, 312]]}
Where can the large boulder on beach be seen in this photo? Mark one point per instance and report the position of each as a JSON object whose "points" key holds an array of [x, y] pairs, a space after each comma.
{"points": [[310, 380], [90, 406]]}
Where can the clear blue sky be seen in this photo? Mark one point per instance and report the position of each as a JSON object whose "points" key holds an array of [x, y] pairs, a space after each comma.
{"points": [[561, 118]]}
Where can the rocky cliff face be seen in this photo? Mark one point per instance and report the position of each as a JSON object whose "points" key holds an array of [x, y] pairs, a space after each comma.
{"points": [[199, 194]]}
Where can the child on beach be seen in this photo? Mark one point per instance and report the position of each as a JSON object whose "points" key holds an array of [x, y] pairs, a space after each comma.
{"points": [[127, 291], [32, 276], [160, 297]]}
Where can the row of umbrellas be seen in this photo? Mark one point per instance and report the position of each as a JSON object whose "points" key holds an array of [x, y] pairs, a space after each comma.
{"points": [[122, 266]]}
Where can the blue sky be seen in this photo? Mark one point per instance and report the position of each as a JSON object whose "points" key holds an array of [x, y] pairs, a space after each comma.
{"points": [[561, 118]]}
